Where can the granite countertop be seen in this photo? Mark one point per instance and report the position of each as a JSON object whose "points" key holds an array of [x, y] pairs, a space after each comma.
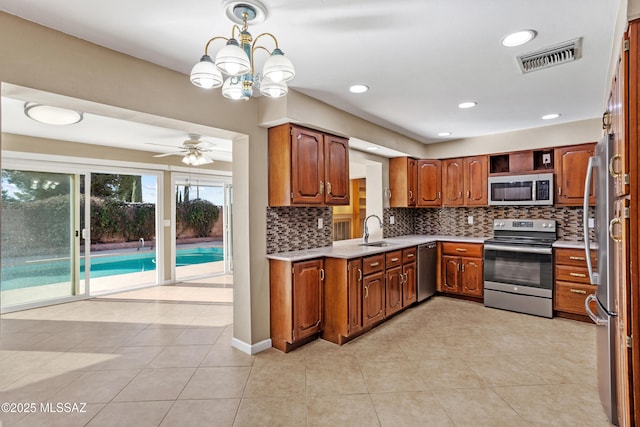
{"points": [[352, 248]]}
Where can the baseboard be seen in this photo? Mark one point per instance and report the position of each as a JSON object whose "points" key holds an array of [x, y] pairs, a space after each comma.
{"points": [[251, 348]]}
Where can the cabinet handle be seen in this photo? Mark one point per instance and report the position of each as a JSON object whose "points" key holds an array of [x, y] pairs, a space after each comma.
{"points": [[438, 194], [577, 258], [469, 194], [559, 191], [606, 120], [375, 264], [410, 255], [410, 195], [359, 275], [578, 275], [612, 171], [321, 187], [406, 277], [612, 224], [401, 278], [394, 259], [322, 274], [460, 195], [366, 292], [328, 187], [578, 291], [461, 250], [462, 267]]}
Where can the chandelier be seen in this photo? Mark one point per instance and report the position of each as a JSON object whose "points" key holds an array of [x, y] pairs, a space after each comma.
{"points": [[233, 68]]}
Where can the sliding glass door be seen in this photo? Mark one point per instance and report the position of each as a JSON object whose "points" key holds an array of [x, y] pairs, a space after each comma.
{"points": [[40, 237]]}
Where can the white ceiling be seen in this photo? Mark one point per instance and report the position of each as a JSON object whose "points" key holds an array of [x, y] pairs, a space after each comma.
{"points": [[420, 58]]}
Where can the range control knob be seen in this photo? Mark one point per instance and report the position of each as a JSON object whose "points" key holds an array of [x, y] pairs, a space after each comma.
{"points": [[544, 225]]}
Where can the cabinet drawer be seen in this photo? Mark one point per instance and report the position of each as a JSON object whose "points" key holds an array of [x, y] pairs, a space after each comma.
{"points": [[575, 257], [568, 273], [462, 249], [393, 259], [569, 297], [409, 255], [373, 264]]}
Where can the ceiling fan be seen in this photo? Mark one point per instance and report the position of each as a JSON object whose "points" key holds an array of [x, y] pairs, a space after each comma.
{"points": [[194, 150]]}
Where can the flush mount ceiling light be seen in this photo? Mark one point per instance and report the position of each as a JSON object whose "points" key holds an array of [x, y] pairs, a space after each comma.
{"points": [[444, 134], [233, 68], [373, 148], [518, 38], [359, 88], [550, 116], [467, 104], [51, 115]]}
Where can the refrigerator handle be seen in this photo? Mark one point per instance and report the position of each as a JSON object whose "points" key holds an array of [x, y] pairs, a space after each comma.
{"points": [[593, 277], [597, 320]]}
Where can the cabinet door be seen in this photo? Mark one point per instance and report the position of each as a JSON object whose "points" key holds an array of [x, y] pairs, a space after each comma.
{"points": [[471, 281], [450, 274], [571, 167], [393, 290], [307, 298], [429, 183], [336, 170], [409, 295], [354, 296], [412, 179], [307, 166], [452, 182], [616, 127], [373, 299], [475, 181]]}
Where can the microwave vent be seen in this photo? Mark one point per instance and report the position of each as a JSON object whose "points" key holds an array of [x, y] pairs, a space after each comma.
{"points": [[562, 53]]}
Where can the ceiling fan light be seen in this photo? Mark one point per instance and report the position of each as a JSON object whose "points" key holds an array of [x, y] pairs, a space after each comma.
{"points": [[205, 74], [278, 68], [232, 60], [273, 89]]}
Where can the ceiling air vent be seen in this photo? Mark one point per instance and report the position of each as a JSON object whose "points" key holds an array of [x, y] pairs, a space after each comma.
{"points": [[562, 53]]}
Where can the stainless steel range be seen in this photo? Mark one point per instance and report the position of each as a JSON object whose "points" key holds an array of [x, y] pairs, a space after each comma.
{"points": [[518, 266]]}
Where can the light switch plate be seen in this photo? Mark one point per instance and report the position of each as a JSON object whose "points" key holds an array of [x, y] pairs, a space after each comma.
{"points": [[167, 223], [392, 219], [591, 223], [470, 220], [320, 223]]}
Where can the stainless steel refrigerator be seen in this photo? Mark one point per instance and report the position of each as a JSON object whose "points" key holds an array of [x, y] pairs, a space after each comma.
{"points": [[601, 305]]}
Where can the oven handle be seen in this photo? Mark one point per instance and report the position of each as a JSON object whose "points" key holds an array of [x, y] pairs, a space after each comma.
{"points": [[505, 248]]}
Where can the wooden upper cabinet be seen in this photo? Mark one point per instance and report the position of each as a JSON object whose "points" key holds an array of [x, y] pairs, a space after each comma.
{"points": [[429, 183], [475, 181], [465, 181], [336, 170], [571, 171], [403, 176], [307, 167], [452, 182], [615, 125]]}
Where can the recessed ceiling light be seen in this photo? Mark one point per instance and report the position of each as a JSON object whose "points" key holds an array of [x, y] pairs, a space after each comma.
{"points": [[358, 88], [51, 115], [444, 134], [518, 38], [550, 116], [372, 148], [469, 104]]}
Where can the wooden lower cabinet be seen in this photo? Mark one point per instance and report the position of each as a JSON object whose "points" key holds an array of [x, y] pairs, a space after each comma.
{"points": [[296, 302], [343, 299], [572, 284], [409, 294], [461, 267], [394, 280], [373, 301]]}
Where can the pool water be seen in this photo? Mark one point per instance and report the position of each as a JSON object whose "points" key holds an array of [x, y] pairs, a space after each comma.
{"points": [[37, 273]]}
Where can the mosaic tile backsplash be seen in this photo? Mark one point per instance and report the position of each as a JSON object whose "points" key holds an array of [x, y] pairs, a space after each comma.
{"points": [[296, 228]]}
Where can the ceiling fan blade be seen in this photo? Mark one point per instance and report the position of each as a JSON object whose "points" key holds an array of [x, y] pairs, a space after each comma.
{"points": [[168, 154], [163, 145]]}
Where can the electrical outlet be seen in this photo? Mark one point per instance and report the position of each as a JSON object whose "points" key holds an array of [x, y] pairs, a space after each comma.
{"points": [[470, 220], [546, 158], [592, 223], [320, 223], [392, 219]]}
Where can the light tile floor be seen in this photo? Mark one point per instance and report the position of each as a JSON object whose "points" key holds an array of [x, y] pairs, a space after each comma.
{"points": [[160, 362]]}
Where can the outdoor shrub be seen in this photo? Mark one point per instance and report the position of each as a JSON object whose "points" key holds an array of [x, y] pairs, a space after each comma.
{"points": [[199, 215]]}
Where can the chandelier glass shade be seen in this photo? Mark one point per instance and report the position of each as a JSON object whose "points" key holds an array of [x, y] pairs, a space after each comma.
{"points": [[195, 158], [233, 67]]}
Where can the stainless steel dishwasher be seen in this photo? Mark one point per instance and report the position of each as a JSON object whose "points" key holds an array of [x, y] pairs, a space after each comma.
{"points": [[427, 259]]}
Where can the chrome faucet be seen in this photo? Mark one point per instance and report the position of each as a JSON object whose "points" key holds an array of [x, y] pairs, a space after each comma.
{"points": [[366, 228]]}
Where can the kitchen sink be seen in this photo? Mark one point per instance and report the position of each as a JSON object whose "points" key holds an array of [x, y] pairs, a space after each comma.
{"points": [[378, 244]]}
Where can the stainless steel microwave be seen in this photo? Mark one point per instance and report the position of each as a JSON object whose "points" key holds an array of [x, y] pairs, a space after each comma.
{"points": [[514, 190]]}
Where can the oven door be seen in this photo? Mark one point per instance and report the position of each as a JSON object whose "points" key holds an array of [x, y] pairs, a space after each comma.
{"points": [[518, 265]]}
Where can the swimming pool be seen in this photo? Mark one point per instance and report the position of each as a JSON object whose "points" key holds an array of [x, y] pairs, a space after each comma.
{"points": [[49, 271]]}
